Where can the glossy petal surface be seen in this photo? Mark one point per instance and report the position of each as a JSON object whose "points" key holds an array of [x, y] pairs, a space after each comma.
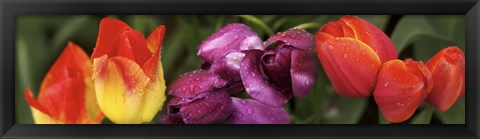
{"points": [[401, 87], [232, 37], [66, 95], [249, 111], [448, 74], [351, 65], [194, 83], [255, 81]]}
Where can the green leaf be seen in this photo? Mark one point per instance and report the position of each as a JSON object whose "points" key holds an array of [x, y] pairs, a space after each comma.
{"points": [[429, 32], [408, 28], [22, 80], [380, 21], [425, 116], [346, 111], [67, 30], [381, 119], [257, 22], [307, 25], [454, 115], [310, 109]]}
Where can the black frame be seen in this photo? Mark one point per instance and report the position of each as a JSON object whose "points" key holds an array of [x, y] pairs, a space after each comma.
{"points": [[10, 9]]}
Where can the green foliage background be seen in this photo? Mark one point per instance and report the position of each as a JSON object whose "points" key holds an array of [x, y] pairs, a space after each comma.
{"points": [[40, 39]]}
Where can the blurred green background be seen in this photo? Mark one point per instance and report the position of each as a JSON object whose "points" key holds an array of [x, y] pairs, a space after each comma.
{"points": [[40, 39]]}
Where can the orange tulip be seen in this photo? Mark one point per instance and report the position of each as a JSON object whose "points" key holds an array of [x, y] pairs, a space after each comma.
{"points": [[128, 73], [448, 73], [66, 94], [352, 51], [401, 87]]}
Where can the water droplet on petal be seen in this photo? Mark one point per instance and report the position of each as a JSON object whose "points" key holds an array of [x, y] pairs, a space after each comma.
{"points": [[386, 83], [244, 102], [250, 111], [345, 55], [330, 47], [362, 52]]}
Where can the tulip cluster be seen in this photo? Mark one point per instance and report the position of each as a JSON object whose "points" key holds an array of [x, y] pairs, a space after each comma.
{"points": [[124, 83], [236, 59], [360, 60]]}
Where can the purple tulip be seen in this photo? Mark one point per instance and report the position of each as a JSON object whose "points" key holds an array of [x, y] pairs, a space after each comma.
{"points": [[287, 69], [235, 59]]}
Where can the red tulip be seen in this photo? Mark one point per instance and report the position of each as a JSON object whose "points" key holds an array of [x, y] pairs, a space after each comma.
{"points": [[352, 51], [401, 87], [448, 74], [128, 72], [66, 95]]}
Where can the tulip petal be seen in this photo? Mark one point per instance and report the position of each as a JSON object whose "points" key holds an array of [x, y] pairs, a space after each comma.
{"points": [[304, 71], [297, 38], [400, 89], [109, 30], [40, 114], [154, 43], [67, 94], [120, 85], [233, 37], [249, 111], [115, 38], [194, 84], [255, 81], [448, 72], [372, 36], [350, 65], [73, 62], [172, 118], [276, 66], [228, 67], [213, 108]]}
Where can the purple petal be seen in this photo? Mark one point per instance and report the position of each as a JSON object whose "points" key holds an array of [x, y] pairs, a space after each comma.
{"points": [[294, 37], [249, 111], [172, 118], [233, 37], [303, 72], [193, 84], [276, 65], [255, 81], [228, 66], [213, 108]]}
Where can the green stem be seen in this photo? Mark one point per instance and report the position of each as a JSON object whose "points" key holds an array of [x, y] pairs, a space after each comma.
{"points": [[425, 117], [381, 119]]}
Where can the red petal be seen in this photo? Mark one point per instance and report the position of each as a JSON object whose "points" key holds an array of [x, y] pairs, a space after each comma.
{"points": [[372, 36], [401, 88], [154, 44], [448, 72], [115, 38], [34, 103], [108, 34], [350, 65]]}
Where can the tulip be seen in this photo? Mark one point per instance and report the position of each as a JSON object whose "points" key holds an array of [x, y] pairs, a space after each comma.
{"points": [[401, 87], [448, 74], [128, 73], [351, 52], [287, 69], [66, 94]]}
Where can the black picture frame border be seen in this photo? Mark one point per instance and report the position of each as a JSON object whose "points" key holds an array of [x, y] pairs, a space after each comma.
{"points": [[9, 9]]}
